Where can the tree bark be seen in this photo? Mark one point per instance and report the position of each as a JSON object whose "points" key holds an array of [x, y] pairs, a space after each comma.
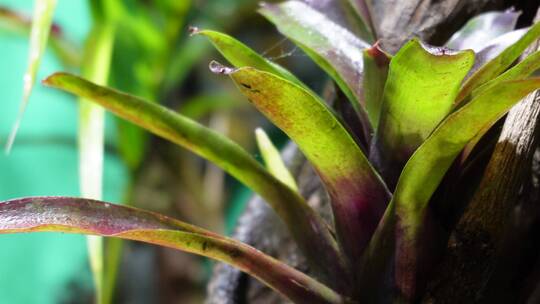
{"points": [[491, 229]]}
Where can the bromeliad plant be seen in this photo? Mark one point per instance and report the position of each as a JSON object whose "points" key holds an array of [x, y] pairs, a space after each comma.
{"points": [[419, 110]]}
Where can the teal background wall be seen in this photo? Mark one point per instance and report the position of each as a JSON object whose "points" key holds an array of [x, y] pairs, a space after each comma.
{"points": [[44, 267]]}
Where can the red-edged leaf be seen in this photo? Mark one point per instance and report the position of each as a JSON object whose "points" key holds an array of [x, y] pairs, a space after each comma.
{"points": [[77, 215]]}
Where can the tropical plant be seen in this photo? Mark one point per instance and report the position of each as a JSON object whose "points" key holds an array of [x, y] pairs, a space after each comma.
{"points": [[423, 112]]}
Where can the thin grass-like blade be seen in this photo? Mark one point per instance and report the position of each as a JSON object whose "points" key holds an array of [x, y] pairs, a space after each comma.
{"points": [[499, 64], [66, 50], [336, 50], [77, 215], [96, 65], [479, 31], [359, 196], [41, 27], [272, 159], [305, 225], [425, 170], [422, 84]]}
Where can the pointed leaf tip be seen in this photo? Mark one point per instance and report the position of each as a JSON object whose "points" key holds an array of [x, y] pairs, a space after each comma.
{"points": [[305, 225], [85, 216], [381, 57], [39, 34], [218, 68], [272, 159], [193, 30]]}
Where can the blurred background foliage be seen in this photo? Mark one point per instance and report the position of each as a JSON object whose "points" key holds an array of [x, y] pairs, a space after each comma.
{"points": [[153, 57]]}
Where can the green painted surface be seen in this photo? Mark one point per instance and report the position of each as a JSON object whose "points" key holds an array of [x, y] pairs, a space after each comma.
{"points": [[42, 268]]}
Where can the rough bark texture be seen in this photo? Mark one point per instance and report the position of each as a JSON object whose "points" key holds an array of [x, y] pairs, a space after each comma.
{"points": [[396, 21], [492, 229]]}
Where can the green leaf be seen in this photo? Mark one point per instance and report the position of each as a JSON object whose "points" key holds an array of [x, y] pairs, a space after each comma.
{"points": [[521, 71], [422, 84], [66, 50], [500, 63], [479, 31], [305, 225], [376, 64], [201, 105], [41, 26], [427, 167], [77, 215], [397, 239], [96, 65], [336, 50], [359, 196], [240, 55], [495, 48], [272, 159]]}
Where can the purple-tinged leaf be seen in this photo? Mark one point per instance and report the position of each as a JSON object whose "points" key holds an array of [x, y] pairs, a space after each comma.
{"points": [[77, 215], [422, 84], [336, 50], [423, 173], [376, 64], [499, 64], [359, 196], [479, 31], [306, 227]]}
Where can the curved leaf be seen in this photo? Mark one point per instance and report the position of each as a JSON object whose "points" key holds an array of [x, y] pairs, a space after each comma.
{"points": [[427, 167], [422, 84], [272, 159], [336, 50], [240, 55], [39, 33], [479, 31], [305, 225], [77, 215], [500, 63], [398, 232], [521, 71], [495, 48], [359, 196]]}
